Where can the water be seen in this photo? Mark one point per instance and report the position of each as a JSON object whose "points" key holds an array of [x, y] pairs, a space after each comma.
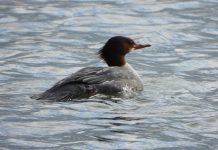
{"points": [[43, 41]]}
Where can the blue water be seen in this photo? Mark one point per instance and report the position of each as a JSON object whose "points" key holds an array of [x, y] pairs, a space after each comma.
{"points": [[43, 41]]}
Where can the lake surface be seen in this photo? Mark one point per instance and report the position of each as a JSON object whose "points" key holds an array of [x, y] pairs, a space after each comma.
{"points": [[43, 41]]}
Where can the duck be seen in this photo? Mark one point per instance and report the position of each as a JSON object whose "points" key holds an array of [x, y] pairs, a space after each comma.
{"points": [[113, 80]]}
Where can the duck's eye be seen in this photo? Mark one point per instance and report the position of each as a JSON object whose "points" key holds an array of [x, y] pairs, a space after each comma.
{"points": [[132, 42]]}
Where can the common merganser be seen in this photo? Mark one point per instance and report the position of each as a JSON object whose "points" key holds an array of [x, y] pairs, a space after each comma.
{"points": [[112, 80]]}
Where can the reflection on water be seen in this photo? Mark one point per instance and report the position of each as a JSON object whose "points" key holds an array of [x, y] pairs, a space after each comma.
{"points": [[42, 41]]}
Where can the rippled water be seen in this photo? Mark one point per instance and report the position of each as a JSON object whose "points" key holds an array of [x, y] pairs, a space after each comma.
{"points": [[42, 41]]}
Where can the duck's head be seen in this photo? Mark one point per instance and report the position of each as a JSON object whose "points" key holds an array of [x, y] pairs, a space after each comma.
{"points": [[115, 49]]}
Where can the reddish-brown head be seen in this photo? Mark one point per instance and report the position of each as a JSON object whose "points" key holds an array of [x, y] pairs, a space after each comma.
{"points": [[115, 49]]}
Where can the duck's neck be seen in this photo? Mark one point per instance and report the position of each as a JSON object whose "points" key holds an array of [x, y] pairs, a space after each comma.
{"points": [[118, 60]]}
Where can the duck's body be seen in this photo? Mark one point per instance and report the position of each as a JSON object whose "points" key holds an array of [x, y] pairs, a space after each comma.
{"points": [[94, 80], [112, 80]]}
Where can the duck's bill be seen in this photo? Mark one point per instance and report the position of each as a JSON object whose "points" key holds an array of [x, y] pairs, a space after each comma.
{"points": [[139, 46]]}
